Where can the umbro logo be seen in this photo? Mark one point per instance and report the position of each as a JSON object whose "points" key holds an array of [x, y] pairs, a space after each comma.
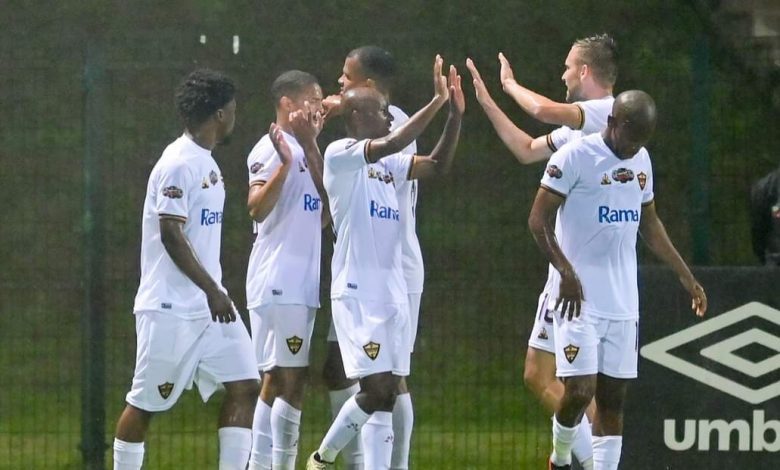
{"points": [[737, 352]]}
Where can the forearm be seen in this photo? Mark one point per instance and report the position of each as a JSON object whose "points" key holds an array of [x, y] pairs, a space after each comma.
{"points": [[261, 201], [315, 163], [405, 134], [655, 236], [444, 152], [183, 256], [516, 140], [531, 102], [543, 231]]}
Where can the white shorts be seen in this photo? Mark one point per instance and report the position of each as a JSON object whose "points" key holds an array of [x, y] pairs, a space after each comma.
{"points": [[414, 318], [543, 332], [172, 353], [589, 344], [281, 335], [373, 337]]}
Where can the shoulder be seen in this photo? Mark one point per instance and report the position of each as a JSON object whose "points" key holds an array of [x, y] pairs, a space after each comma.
{"points": [[340, 146]]}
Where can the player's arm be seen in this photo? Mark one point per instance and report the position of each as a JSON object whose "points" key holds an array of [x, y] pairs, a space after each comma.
{"points": [[263, 196], [525, 148], [306, 126], [183, 255], [537, 106], [541, 221], [439, 161], [654, 234], [411, 129]]}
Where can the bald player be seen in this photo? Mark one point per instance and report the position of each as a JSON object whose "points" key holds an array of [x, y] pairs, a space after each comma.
{"points": [[601, 188], [368, 292]]}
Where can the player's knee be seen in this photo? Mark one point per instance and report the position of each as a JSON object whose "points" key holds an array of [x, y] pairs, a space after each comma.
{"points": [[534, 380], [243, 389], [579, 393]]}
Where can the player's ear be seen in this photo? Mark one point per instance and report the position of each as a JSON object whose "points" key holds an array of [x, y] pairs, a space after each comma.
{"points": [[584, 71], [371, 83], [286, 103]]}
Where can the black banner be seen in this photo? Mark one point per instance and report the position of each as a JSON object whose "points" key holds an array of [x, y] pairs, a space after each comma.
{"points": [[708, 390]]}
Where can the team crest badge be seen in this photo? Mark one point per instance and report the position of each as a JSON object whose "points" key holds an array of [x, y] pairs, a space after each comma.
{"points": [[543, 334], [622, 175], [256, 166], [173, 192], [372, 349], [605, 180], [213, 177], [571, 352], [294, 344], [554, 172], [165, 389], [204, 184], [642, 178]]}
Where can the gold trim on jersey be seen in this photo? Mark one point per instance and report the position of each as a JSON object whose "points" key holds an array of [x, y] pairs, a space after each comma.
{"points": [[411, 167], [174, 217], [557, 193], [550, 143], [582, 117]]}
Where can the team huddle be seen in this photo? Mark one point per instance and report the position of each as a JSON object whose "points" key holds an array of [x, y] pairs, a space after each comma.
{"points": [[595, 196]]}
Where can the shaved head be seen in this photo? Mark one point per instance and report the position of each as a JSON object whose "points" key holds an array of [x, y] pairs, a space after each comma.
{"points": [[365, 113], [631, 124]]}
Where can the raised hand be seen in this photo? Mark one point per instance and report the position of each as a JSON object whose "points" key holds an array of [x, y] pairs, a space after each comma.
{"points": [[440, 88], [506, 74], [483, 96], [332, 106], [280, 145], [457, 100], [306, 124]]}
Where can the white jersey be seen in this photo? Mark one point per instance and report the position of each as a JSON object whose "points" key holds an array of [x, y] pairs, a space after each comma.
{"points": [[597, 224], [593, 118], [363, 201], [185, 184], [407, 190], [284, 266]]}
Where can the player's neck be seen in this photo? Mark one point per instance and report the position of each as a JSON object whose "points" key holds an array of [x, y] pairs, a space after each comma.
{"points": [[598, 93], [204, 138]]}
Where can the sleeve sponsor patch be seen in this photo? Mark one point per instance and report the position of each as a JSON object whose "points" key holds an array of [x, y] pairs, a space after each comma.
{"points": [[173, 192], [554, 172], [256, 167]]}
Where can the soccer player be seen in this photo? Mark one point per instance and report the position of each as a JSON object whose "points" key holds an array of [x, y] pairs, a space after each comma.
{"points": [[185, 321], [368, 291], [601, 188], [375, 67], [283, 280], [590, 71]]}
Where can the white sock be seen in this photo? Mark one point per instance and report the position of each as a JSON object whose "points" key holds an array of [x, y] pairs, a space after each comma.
{"points": [[403, 422], [563, 438], [606, 452], [352, 453], [285, 425], [128, 455], [234, 446], [377, 437], [582, 447], [344, 429], [260, 459]]}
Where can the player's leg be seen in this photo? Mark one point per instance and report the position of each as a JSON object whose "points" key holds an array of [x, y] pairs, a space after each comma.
{"points": [[228, 359], [262, 342], [341, 389], [617, 366], [403, 411], [539, 376], [166, 355], [293, 327], [577, 364]]}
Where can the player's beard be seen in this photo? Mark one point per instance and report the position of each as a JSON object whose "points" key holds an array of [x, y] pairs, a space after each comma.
{"points": [[573, 95]]}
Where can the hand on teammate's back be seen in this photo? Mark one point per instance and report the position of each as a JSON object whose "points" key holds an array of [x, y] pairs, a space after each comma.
{"points": [[221, 307], [280, 145]]}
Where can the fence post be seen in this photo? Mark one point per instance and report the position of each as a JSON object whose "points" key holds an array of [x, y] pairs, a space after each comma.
{"points": [[700, 154], [93, 413]]}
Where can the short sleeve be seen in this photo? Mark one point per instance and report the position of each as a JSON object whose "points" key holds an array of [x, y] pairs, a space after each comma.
{"points": [[346, 155], [560, 137], [594, 115], [561, 173], [262, 161], [174, 184], [399, 165]]}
